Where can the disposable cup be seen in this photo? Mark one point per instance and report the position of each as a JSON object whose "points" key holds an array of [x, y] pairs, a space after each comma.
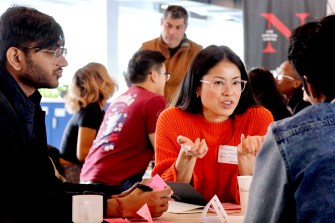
{"points": [[243, 185], [87, 208]]}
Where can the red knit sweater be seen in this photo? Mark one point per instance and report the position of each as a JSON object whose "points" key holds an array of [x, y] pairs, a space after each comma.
{"points": [[209, 177]]}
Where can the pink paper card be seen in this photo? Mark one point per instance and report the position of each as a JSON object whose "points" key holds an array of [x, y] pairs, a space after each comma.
{"points": [[157, 183], [145, 213], [116, 220]]}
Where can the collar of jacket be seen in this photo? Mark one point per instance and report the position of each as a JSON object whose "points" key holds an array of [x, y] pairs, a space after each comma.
{"points": [[184, 42], [15, 94]]}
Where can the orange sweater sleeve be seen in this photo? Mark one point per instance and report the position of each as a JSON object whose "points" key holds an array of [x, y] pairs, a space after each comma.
{"points": [[168, 128]]}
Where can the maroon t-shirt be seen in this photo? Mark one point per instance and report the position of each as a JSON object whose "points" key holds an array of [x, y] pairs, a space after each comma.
{"points": [[122, 147]]}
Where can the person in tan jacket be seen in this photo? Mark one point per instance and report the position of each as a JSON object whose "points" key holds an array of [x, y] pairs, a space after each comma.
{"points": [[175, 46]]}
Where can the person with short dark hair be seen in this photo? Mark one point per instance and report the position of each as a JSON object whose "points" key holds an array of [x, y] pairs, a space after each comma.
{"points": [[178, 50], [127, 133], [32, 56], [295, 168]]}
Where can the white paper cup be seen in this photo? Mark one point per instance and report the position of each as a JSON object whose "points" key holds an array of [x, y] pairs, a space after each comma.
{"points": [[243, 185], [87, 208]]}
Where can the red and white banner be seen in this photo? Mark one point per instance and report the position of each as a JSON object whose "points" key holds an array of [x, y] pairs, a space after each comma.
{"points": [[268, 25]]}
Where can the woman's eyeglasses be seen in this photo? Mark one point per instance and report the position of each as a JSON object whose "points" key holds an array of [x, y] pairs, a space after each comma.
{"points": [[219, 86]]}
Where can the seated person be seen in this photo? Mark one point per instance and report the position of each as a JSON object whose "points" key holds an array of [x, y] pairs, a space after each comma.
{"points": [[214, 112], [32, 56], [290, 85], [265, 89], [86, 98], [124, 145], [294, 176]]}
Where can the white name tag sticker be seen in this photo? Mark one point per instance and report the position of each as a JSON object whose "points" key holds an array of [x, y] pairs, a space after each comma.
{"points": [[227, 154]]}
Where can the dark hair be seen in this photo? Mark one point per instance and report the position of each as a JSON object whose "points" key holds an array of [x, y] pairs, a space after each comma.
{"points": [[23, 26], [141, 64], [264, 87], [206, 59], [309, 50], [176, 12]]}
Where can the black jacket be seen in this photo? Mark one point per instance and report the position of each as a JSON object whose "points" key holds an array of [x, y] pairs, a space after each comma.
{"points": [[29, 188]]}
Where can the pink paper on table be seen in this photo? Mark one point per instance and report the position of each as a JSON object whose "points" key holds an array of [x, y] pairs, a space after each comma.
{"points": [[230, 208], [145, 213], [116, 220], [125, 220]]}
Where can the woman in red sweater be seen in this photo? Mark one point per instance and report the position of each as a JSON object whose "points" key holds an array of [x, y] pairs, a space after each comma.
{"points": [[213, 128]]}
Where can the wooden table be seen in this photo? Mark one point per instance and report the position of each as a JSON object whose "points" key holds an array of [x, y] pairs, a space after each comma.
{"points": [[195, 217]]}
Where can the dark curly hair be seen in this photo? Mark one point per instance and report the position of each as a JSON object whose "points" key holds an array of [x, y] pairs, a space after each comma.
{"points": [[309, 50]]}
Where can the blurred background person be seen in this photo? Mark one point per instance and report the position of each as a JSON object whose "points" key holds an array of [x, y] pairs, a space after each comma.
{"points": [[290, 85], [265, 89], [86, 98], [212, 132], [125, 142], [178, 50]]}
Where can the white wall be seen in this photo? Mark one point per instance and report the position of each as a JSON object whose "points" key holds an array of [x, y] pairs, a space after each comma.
{"points": [[85, 27]]}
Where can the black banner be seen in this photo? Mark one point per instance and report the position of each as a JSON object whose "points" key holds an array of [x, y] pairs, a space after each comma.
{"points": [[268, 25]]}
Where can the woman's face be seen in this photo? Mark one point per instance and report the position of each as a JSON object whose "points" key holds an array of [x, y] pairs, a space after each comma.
{"points": [[221, 91]]}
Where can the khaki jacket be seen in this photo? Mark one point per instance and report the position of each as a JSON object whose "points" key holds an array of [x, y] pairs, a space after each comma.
{"points": [[177, 64]]}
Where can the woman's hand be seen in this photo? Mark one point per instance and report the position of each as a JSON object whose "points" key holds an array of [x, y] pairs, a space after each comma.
{"points": [[197, 149], [246, 153], [188, 154], [250, 145]]}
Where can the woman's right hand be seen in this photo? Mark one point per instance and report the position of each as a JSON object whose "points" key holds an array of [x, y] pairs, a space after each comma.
{"points": [[198, 148]]}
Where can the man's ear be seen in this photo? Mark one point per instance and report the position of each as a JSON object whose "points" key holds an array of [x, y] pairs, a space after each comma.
{"points": [[15, 58], [153, 76]]}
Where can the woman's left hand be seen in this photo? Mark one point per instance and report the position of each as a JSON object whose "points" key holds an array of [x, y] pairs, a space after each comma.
{"points": [[250, 145], [246, 153]]}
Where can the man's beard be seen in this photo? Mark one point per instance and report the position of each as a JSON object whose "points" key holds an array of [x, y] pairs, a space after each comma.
{"points": [[37, 77]]}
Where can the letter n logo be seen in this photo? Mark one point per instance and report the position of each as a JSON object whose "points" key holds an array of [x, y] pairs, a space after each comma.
{"points": [[273, 21]]}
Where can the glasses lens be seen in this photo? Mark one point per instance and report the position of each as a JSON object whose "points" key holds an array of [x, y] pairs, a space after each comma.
{"points": [[218, 87], [237, 86], [61, 52]]}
